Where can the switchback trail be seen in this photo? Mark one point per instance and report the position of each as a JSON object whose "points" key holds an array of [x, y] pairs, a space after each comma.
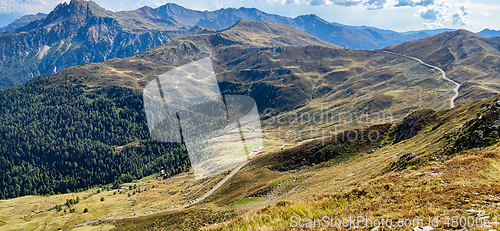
{"points": [[173, 209], [452, 100]]}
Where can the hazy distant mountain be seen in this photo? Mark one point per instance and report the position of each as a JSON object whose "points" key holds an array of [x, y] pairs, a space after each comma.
{"points": [[487, 33], [429, 32], [6, 19], [355, 37], [382, 31], [23, 21], [227, 17]]}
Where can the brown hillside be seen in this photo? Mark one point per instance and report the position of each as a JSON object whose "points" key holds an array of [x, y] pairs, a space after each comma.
{"points": [[466, 57]]}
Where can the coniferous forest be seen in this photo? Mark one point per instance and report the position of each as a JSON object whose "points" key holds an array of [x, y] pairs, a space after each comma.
{"points": [[70, 137]]}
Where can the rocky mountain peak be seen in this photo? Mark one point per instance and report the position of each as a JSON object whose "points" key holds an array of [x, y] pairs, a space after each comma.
{"points": [[77, 8], [75, 13], [312, 17], [465, 33]]}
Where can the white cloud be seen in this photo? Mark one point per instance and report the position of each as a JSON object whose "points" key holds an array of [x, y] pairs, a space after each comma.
{"points": [[318, 2], [430, 14], [433, 13], [405, 3], [373, 4], [460, 16], [159, 3], [338, 2], [413, 3], [485, 13], [424, 2], [346, 2], [215, 4], [432, 25], [437, 14]]}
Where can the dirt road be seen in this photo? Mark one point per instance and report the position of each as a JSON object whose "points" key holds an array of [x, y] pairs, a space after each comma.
{"points": [[173, 209], [457, 85]]}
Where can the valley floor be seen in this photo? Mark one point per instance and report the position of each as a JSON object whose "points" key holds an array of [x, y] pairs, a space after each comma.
{"points": [[148, 195]]}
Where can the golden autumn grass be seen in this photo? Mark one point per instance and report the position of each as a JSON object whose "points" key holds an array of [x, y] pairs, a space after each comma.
{"points": [[38, 213], [431, 185], [445, 187]]}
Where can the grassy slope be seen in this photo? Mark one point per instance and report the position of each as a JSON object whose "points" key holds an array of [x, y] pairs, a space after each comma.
{"points": [[445, 187], [465, 56], [431, 180], [38, 213], [293, 79], [415, 177], [285, 69]]}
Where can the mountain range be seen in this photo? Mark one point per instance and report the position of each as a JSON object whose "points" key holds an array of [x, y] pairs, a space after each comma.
{"points": [[23, 21], [81, 131], [5, 19], [82, 32], [281, 67], [86, 126], [487, 33]]}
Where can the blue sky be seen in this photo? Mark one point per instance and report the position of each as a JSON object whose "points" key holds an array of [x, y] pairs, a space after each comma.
{"points": [[398, 15]]}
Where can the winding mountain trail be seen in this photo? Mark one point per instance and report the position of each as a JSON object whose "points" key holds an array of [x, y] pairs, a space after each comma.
{"points": [[458, 85], [172, 209]]}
